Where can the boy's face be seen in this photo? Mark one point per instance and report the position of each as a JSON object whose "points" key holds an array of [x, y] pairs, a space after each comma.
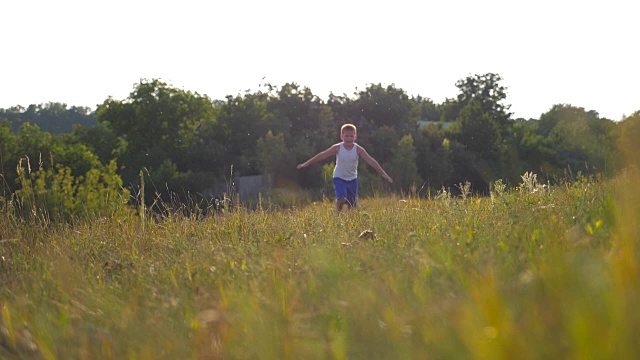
{"points": [[348, 136]]}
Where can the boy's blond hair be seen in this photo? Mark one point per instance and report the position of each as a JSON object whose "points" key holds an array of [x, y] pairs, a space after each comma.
{"points": [[348, 127]]}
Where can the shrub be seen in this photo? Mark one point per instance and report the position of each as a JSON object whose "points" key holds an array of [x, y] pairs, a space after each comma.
{"points": [[54, 194]]}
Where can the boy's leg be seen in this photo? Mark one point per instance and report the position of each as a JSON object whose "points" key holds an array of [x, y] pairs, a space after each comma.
{"points": [[340, 186], [340, 203], [352, 193]]}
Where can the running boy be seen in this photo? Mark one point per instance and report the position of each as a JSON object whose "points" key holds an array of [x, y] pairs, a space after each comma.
{"points": [[345, 174]]}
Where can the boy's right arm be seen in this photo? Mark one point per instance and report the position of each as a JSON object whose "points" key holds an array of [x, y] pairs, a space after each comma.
{"points": [[333, 150]]}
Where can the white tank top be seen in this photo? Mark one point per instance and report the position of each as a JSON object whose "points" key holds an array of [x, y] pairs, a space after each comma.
{"points": [[346, 163]]}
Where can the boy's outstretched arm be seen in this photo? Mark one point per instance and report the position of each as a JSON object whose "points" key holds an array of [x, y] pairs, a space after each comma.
{"points": [[333, 150], [374, 164]]}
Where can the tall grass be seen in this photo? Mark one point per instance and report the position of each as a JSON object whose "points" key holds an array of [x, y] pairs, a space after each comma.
{"points": [[538, 272]]}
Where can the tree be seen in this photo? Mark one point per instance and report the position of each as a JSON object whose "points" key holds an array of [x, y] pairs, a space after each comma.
{"points": [[533, 150], [449, 110], [405, 170], [629, 142], [390, 106], [156, 113], [484, 128], [101, 140], [8, 158], [272, 154], [76, 156], [434, 157], [34, 143], [579, 138], [487, 91], [242, 121], [381, 142], [297, 112], [157, 126], [52, 117], [427, 109], [306, 124], [479, 158], [478, 131]]}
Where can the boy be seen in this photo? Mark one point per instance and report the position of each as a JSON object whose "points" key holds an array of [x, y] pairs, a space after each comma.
{"points": [[345, 174]]}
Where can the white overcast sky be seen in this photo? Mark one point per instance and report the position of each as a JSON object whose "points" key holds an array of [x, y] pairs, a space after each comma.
{"points": [[584, 53]]}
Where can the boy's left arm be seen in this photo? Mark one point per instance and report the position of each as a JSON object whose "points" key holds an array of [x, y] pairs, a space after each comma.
{"points": [[373, 163]]}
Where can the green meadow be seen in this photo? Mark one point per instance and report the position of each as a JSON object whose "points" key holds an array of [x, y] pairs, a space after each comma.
{"points": [[530, 272]]}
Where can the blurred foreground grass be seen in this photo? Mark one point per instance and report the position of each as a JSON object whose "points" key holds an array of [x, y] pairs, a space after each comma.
{"points": [[529, 273]]}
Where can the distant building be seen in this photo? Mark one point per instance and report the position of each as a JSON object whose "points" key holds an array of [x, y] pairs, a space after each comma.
{"points": [[425, 123], [242, 185]]}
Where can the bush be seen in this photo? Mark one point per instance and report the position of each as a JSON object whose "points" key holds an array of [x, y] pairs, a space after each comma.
{"points": [[54, 194]]}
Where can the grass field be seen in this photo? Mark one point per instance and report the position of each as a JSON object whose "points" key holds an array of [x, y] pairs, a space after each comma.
{"points": [[533, 272]]}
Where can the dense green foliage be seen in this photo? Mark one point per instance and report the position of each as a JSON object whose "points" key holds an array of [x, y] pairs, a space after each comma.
{"points": [[184, 142], [54, 118]]}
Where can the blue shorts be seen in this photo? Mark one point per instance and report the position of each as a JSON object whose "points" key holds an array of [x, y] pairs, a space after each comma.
{"points": [[346, 189]]}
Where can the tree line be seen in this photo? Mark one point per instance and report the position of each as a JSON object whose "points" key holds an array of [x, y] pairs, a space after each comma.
{"points": [[183, 142]]}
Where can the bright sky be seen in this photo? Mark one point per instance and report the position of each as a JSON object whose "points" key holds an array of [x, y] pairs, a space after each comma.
{"points": [[79, 52]]}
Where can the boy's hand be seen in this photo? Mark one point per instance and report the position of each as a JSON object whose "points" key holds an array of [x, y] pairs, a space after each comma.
{"points": [[300, 166], [388, 178]]}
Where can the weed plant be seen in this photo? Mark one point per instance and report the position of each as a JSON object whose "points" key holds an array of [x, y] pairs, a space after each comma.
{"points": [[533, 272]]}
